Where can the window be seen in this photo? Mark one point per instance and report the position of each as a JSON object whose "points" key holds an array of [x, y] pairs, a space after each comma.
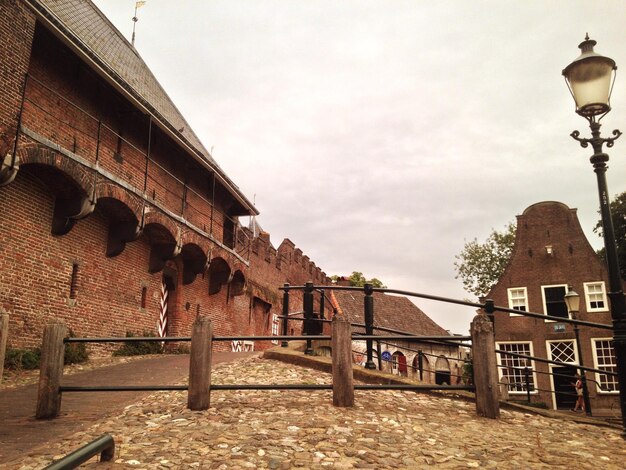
{"points": [[518, 299], [595, 297], [512, 367], [74, 281], [562, 351], [144, 295], [604, 359], [553, 300]]}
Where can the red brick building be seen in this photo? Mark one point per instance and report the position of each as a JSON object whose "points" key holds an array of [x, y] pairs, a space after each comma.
{"points": [[114, 216], [550, 253]]}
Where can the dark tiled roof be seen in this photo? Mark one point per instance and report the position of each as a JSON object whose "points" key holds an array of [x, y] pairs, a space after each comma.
{"points": [[390, 311], [95, 35]]}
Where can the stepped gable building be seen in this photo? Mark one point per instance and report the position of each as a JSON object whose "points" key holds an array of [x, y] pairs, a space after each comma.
{"points": [[115, 217], [430, 362], [550, 253]]}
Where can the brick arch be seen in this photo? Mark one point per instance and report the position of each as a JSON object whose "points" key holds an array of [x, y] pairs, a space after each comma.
{"points": [[108, 189], [72, 185], [82, 176], [427, 372], [163, 235], [219, 274], [159, 219], [237, 283], [194, 260]]}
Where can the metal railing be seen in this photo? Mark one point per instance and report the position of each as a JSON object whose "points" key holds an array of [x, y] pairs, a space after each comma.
{"points": [[104, 445]]}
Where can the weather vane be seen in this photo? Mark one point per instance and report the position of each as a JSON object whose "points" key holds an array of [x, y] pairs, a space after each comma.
{"points": [[135, 19]]}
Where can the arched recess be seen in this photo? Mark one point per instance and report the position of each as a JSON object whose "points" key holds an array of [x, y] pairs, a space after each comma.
{"points": [[442, 371], [75, 195], [163, 242], [422, 368], [72, 202], [124, 212], [124, 226], [398, 363], [237, 284], [194, 262], [219, 274]]}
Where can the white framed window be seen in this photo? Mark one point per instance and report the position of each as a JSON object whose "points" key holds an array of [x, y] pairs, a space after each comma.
{"points": [[554, 300], [518, 299], [562, 351], [604, 359], [595, 297], [512, 367]]}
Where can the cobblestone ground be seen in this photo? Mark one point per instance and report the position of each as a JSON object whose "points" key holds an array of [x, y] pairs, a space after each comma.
{"points": [[296, 429]]}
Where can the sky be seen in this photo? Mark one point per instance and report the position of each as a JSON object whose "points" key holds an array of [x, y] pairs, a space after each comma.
{"points": [[381, 136]]}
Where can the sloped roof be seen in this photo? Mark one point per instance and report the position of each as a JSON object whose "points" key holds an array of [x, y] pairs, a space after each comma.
{"points": [[390, 311], [86, 27]]}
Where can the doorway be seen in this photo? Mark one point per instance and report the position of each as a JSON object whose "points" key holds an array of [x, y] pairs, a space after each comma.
{"points": [[562, 380]]}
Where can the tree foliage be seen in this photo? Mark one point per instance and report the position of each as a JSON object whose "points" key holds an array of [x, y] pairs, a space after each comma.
{"points": [[357, 279], [480, 265], [618, 214]]}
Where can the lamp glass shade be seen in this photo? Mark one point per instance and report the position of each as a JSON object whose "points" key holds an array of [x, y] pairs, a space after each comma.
{"points": [[589, 78], [572, 300]]}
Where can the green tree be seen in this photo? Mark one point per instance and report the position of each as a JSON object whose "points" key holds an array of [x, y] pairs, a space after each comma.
{"points": [[357, 279], [618, 214], [480, 265]]}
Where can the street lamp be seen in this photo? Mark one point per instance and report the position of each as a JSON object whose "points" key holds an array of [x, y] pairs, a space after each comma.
{"points": [[572, 300], [590, 80]]}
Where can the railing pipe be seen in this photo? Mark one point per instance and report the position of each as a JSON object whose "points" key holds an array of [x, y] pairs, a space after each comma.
{"points": [[307, 306], [285, 343], [368, 305], [527, 382], [104, 445]]}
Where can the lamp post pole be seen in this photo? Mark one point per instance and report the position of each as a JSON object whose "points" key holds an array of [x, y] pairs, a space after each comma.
{"points": [[590, 78], [581, 372]]}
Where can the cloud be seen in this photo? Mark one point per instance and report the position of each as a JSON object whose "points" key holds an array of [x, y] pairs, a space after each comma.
{"points": [[379, 136]]}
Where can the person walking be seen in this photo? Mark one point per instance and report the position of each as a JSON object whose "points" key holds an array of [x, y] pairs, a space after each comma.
{"points": [[578, 386]]}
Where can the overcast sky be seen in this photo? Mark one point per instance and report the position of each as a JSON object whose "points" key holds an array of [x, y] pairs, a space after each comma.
{"points": [[380, 136]]}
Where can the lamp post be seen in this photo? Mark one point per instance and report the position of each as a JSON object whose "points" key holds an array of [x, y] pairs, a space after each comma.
{"points": [[590, 79], [572, 300]]}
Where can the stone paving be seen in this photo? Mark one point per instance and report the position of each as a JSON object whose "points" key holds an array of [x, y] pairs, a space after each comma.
{"points": [[297, 429]]}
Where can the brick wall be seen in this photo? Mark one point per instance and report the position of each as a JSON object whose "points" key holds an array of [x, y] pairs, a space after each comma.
{"points": [[69, 276]]}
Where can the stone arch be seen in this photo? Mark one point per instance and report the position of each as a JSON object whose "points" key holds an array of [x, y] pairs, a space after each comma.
{"points": [[398, 363], [238, 283], [442, 371], [423, 373], [194, 261], [71, 186], [42, 155], [124, 213], [163, 236], [219, 274]]}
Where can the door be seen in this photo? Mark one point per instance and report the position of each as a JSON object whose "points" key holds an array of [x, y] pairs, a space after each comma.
{"points": [[564, 393]]}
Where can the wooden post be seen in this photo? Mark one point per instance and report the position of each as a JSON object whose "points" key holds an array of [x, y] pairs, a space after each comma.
{"points": [[343, 380], [4, 333], [51, 371], [504, 389], [485, 367], [199, 394]]}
